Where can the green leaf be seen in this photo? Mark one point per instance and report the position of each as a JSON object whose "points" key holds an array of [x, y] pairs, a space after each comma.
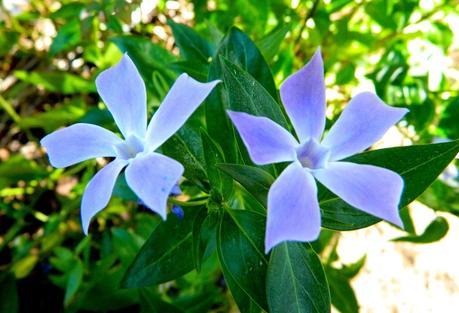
{"points": [[59, 82], [149, 58], [167, 253], [254, 13], [449, 117], [351, 270], [203, 233], [296, 281], [247, 95], [152, 303], [192, 46], [186, 147], [442, 196], [123, 190], [194, 69], [239, 49], [67, 36], [436, 230], [70, 112], [270, 44], [240, 251], [19, 168], [254, 179], [213, 156], [7, 41], [8, 293], [74, 280], [68, 10], [342, 295]]}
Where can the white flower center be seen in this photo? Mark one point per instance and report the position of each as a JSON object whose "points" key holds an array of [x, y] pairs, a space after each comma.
{"points": [[129, 148], [313, 155]]}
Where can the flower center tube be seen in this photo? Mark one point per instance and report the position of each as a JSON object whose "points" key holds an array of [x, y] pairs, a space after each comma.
{"points": [[313, 155], [129, 148]]}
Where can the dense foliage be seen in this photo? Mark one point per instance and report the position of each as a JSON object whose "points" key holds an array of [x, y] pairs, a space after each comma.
{"points": [[212, 259]]}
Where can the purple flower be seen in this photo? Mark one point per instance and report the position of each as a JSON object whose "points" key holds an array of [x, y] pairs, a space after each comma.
{"points": [[293, 207], [152, 176]]}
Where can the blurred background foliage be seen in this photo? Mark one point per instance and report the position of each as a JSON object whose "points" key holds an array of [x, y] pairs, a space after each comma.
{"points": [[50, 53]]}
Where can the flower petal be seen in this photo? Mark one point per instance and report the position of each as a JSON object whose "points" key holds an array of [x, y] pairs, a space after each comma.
{"points": [[372, 189], [99, 190], [266, 141], [123, 91], [364, 121], [79, 142], [152, 177], [183, 99], [293, 209], [303, 96]]}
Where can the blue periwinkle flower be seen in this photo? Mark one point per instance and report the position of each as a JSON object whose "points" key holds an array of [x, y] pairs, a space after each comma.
{"points": [[293, 207], [152, 176]]}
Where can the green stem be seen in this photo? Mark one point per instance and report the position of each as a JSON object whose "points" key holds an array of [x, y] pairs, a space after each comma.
{"points": [[188, 203]]}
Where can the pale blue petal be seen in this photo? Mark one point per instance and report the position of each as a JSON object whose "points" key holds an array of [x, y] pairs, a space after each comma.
{"points": [[79, 142], [183, 99], [293, 209], [363, 122], [303, 96], [99, 191], [152, 177], [123, 91], [372, 189], [266, 141]]}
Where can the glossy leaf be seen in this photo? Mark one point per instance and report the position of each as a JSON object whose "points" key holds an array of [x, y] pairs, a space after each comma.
{"points": [[240, 50], [167, 253], [213, 156], [246, 94], [342, 295], [203, 235], [192, 46], [436, 230], [186, 147], [296, 281], [240, 251], [149, 58], [254, 179], [270, 44]]}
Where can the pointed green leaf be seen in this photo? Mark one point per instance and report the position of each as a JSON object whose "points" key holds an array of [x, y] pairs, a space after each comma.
{"points": [[246, 94], [436, 230], [239, 49], [213, 155], [342, 295], [186, 147], [240, 251], [254, 179], [167, 253], [296, 281], [270, 44], [192, 46]]}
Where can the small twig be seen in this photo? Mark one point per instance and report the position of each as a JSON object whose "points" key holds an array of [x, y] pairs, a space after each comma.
{"points": [[310, 14]]}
